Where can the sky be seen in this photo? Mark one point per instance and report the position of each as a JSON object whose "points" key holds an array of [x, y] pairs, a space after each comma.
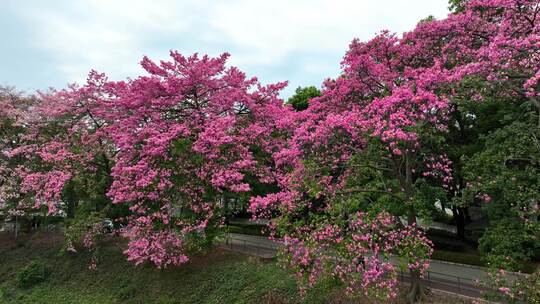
{"points": [[50, 43]]}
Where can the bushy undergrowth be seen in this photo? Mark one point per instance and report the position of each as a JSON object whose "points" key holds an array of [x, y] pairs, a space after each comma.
{"points": [[32, 274]]}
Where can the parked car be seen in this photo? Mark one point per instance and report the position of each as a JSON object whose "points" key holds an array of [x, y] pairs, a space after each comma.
{"points": [[107, 225]]}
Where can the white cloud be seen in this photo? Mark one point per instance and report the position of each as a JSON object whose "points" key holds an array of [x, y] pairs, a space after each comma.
{"points": [[273, 29], [112, 36]]}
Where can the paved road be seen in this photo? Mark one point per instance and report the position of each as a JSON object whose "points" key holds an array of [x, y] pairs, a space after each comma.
{"points": [[450, 277]]}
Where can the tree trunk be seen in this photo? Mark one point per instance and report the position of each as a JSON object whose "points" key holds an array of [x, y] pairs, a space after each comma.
{"points": [[227, 214], [417, 289], [459, 217]]}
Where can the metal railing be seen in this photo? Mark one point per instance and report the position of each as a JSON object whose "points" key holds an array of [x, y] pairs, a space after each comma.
{"points": [[448, 282], [249, 244]]}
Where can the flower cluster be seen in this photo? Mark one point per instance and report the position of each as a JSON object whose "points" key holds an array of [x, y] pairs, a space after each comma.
{"points": [[359, 254]]}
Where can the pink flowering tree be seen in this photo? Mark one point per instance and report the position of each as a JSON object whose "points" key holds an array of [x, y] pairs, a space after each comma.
{"points": [[64, 158], [8, 122], [367, 144], [375, 138], [13, 111], [495, 41], [497, 97], [490, 58], [187, 135], [64, 142], [169, 148]]}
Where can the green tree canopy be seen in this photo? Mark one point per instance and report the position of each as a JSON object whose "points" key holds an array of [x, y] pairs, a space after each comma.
{"points": [[300, 100]]}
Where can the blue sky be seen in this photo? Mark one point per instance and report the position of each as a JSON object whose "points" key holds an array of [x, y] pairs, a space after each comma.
{"points": [[55, 42]]}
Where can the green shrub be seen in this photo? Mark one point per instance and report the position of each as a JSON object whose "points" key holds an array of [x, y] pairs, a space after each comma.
{"points": [[510, 240], [32, 274]]}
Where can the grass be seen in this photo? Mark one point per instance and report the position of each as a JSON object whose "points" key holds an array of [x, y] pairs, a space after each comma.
{"points": [[215, 277], [458, 257]]}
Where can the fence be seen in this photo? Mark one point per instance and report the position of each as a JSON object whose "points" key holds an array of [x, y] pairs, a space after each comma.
{"points": [[251, 245], [449, 283]]}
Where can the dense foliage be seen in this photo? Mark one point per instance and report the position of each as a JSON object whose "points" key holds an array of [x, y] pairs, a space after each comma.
{"points": [[445, 115], [300, 100]]}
